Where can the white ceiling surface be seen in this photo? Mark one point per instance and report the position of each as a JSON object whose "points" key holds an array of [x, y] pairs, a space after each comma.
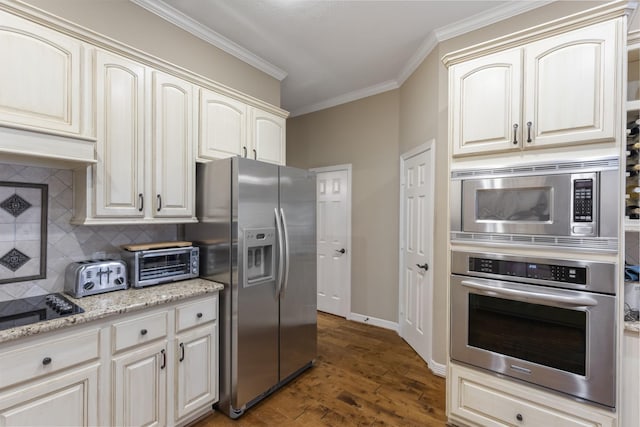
{"points": [[328, 52]]}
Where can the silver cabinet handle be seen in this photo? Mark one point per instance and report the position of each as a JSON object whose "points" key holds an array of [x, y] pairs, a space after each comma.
{"points": [[515, 134], [159, 198], [181, 352], [255, 154], [163, 354], [529, 131], [244, 149], [543, 298], [141, 201]]}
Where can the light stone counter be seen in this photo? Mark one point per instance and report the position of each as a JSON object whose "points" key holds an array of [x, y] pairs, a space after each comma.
{"points": [[117, 302], [632, 326]]}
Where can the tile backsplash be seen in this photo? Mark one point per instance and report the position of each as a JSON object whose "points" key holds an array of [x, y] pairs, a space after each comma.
{"points": [[67, 243]]}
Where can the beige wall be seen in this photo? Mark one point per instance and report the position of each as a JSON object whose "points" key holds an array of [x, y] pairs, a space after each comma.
{"points": [[128, 23], [365, 134], [330, 137]]}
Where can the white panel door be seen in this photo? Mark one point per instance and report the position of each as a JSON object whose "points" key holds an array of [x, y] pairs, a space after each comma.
{"points": [[197, 371], [119, 173], [417, 242], [485, 103], [173, 147], [570, 89], [39, 77], [267, 137], [223, 126], [332, 234], [139, 387]]}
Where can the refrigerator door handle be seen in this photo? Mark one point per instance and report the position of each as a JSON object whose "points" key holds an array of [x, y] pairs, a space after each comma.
{"points": [[286, 251], [280, 251]]}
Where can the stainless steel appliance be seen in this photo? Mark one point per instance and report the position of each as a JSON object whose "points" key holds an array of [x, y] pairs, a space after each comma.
{"points": [[156, 266], [257, 235], [92, 277], [24, 311], [546, 321], [559, 204]]}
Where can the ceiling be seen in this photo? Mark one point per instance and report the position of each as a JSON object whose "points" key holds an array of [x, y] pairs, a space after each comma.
{"points": [[328, 52]]}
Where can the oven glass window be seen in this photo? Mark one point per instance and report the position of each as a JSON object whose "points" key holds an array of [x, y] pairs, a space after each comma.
{"points": [[549, 336], [521, 204]]}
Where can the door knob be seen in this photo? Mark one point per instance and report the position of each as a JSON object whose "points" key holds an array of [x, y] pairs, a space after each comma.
{"points": [[424, 266], [341, 250]]}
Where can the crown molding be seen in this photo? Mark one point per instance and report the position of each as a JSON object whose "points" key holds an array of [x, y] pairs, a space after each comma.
{"points": [[347, 97], [418, 57], [173, 15]]}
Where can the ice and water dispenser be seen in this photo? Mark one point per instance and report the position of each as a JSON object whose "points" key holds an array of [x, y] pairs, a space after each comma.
{"points": [[260, 248]]}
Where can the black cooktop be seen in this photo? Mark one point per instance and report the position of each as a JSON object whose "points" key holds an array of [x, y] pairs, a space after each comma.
{"points": [[19, 312]]}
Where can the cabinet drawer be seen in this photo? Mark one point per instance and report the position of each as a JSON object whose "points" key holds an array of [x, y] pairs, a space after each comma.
{"points": [[47, 356], [196, 313], [492, 402], [139, 330]]}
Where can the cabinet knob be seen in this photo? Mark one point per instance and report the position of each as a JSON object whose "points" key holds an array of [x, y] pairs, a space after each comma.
{"points": [[46, 361], [529, 124], [143, 332], [519, 417], [199, 315], [515, 134]]}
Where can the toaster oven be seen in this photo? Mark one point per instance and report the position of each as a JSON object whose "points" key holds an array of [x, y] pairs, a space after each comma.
{"points": [[156, 266]]}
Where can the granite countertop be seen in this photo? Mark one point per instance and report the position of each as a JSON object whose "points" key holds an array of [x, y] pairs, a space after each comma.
{"points": [[632, 326], [117, 302]]}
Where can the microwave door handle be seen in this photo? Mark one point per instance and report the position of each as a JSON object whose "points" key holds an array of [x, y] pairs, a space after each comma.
{"points": [[280, 251], [543, 298], [285, 283]]}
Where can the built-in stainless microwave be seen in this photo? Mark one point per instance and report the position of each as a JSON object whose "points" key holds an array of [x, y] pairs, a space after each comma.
{"points": [[571, 204]]}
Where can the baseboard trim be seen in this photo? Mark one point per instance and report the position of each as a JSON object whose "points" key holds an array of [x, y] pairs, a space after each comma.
{"points": [[438, 368], [381, 323]]}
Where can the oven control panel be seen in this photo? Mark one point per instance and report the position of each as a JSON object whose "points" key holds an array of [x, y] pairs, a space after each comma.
{"points": [[530, 270], [583, 200]]}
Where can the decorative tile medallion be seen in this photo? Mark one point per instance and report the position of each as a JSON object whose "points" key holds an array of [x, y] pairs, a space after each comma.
{"points": [[23, 231], [14, 259], [15, 205]]}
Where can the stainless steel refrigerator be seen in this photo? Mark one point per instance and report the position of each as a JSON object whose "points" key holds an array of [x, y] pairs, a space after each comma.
{"points": [[257, 235]]}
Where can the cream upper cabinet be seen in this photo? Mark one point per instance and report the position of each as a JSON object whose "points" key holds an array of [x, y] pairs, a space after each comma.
{"points": [[268, 138], [223, 126], [41, 78], [146, 125], [173, 146], [555, 91], [229, 128], [119, 173], [485, 101]]}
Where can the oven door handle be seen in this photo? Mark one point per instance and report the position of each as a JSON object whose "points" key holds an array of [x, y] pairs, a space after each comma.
{"points": [[540, 297]]}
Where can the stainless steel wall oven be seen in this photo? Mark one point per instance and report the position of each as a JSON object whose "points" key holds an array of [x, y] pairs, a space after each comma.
{"points": [[545, 321]]}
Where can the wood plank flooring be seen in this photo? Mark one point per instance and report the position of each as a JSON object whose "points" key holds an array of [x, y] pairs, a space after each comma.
{"points": [[364, 376]]}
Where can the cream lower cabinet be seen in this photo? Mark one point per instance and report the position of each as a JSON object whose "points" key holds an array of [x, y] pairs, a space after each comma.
{"points": [[560, 90], [51, 381], [230, 128], [479, 399], [146, 124]]}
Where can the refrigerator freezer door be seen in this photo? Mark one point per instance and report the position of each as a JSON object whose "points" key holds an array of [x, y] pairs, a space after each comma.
{"points": [[298, 325], [255, 308]]}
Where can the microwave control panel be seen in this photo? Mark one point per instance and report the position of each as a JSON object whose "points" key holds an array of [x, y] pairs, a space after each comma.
{"points": [[530, 270], [583, 200]]}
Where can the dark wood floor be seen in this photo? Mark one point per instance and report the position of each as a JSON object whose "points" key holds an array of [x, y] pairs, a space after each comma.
{"points": [[364, 376]]}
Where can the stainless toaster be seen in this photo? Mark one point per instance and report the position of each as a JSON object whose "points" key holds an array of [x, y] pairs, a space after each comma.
{"points": [[85, 278]]}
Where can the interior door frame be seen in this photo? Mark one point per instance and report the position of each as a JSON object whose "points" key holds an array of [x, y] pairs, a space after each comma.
{"points": [[430, 145], [349, 169]]}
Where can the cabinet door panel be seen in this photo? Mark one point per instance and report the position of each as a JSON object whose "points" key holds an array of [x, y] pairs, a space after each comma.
{"points": [[268, 137], [223, 123], [39, 77], [486, 97], [198, 369], [139, 387], [173, 122], [67, 400], [570, 86], [119, 178]]}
